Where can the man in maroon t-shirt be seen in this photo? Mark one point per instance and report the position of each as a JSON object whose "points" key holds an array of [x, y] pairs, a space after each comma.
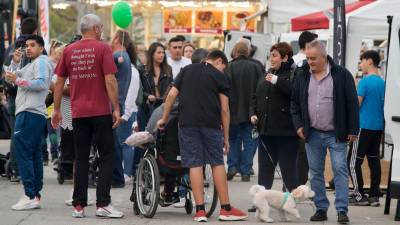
{"points": [[90, 68]]}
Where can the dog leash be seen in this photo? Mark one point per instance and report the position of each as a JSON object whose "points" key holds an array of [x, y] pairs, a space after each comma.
{"points": [[272, 161]]}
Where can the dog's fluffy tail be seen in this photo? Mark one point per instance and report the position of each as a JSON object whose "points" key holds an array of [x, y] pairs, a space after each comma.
{"points": [[255, 189]]}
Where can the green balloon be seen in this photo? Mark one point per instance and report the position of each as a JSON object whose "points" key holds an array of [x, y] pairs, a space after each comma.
{"points": [[122, 14]]}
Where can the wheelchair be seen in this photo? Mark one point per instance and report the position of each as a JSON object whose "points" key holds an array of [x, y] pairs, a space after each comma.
{"points": [[162, 159]]}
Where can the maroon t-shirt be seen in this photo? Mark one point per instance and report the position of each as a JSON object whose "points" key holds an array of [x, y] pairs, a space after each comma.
{"points": [[86, 63]]}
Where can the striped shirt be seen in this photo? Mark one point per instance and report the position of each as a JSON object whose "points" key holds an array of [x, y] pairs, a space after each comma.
{"points": [[66, 122]]}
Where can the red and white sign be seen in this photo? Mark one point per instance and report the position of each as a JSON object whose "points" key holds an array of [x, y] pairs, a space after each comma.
{"points": [[44, 22]]}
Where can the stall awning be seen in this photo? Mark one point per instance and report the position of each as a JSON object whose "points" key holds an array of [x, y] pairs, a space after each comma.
{"points": [[318, 20]]}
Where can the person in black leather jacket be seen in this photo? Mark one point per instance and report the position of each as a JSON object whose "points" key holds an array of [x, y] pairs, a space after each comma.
{"points": [[157, 76], [270, 110]]}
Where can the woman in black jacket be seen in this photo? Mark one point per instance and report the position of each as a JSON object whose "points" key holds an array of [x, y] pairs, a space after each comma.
{"points": [[270, 110], [158, 76]]}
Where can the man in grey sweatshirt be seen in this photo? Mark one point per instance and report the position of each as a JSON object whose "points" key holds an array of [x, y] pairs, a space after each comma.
{"points": [[33, 82]]}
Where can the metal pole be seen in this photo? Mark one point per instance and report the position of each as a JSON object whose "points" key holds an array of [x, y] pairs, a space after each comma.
{"points": [[388, 196]]}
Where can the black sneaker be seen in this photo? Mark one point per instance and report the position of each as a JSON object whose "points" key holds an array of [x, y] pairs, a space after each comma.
{"points": [[342, 218], [231, 173], [252, 209], [252, 172], [245, 178], [362, 202], [374, 201], [320, 215], [15, 179]]}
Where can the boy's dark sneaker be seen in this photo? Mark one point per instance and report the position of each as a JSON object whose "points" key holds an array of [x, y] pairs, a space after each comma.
{"points": [[320, 215], [362, 202], [342, 218], [374, 201]]}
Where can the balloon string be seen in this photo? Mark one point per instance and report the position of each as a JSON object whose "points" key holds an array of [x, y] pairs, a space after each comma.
{"points": [[123, 39]]}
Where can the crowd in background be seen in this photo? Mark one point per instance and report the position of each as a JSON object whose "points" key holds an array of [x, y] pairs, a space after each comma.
{"points": [[292, 112]]}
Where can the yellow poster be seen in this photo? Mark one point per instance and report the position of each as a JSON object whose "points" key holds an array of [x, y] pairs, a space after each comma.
{"points": [[233, 21], [209, 22], [177, 21]]}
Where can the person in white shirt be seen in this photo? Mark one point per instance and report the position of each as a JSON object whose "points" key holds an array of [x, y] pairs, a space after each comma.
{"points": [[130, 117], [176, 61], [304, 38]]}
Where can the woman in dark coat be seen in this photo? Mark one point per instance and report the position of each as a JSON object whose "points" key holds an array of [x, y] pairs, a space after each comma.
{"points": [[270, 110]]}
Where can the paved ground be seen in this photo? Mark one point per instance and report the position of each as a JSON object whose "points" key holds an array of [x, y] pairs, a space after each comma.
{"points": [[54, 212]]}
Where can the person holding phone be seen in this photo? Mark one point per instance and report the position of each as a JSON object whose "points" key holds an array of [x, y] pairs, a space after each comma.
{"points": [[270, 111]]}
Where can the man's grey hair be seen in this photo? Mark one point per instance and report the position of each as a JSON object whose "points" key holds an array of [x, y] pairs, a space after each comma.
{"points": [[319, 45], [88, 21], [246, 41]]}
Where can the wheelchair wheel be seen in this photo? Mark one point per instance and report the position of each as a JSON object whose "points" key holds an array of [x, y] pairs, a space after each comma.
{"points": [[188, 206], [148, 186], [210, 192]]}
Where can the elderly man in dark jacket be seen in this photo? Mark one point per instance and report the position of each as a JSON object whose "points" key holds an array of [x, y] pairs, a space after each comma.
{"points": [[325, 113], [244, 75]]}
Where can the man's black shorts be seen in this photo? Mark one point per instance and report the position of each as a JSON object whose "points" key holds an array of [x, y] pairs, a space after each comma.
{"points": [[200, 146]]}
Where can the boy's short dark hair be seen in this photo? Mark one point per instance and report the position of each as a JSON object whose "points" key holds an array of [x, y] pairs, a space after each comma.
{"points": [[373, 55], [218, 54], [175, 39], [306, 37], [28, 25], [38, 39]]}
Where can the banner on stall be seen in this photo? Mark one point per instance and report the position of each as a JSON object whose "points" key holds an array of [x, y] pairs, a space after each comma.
{"points": [[44, 22], [209, 22], [177, 21], [234, 18]]}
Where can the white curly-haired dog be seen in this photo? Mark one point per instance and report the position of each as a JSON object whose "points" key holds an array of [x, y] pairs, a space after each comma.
{"points": [[284, 202]]}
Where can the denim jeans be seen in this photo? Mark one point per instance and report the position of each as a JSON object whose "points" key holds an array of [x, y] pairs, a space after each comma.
{"points": [[241, 160], [28, 134], [316, 145], [125, 130]]}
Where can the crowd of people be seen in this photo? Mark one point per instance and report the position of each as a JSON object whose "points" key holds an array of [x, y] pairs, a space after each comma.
{"points": [[92, 93]]}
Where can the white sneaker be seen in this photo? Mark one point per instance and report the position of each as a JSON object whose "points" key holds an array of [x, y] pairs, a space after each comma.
{"points": [[128, 179], [109, 211], [78, 212], [180, 204], [25, 203], [69, 201]]}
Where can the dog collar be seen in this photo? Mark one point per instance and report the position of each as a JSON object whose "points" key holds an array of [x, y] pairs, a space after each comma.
{"points": [[286, 196]]}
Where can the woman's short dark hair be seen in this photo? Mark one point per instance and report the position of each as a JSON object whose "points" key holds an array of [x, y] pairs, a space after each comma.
{"points": [[283, 48]]}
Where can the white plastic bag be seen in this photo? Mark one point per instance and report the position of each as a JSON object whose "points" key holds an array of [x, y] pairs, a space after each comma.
{"points": [[138, 139]]}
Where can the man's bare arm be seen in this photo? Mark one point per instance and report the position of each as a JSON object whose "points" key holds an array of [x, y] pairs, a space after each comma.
{"points": [[112, 90]]}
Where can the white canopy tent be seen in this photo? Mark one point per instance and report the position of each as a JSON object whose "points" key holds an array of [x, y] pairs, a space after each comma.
{"points": [[369, 22]]}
